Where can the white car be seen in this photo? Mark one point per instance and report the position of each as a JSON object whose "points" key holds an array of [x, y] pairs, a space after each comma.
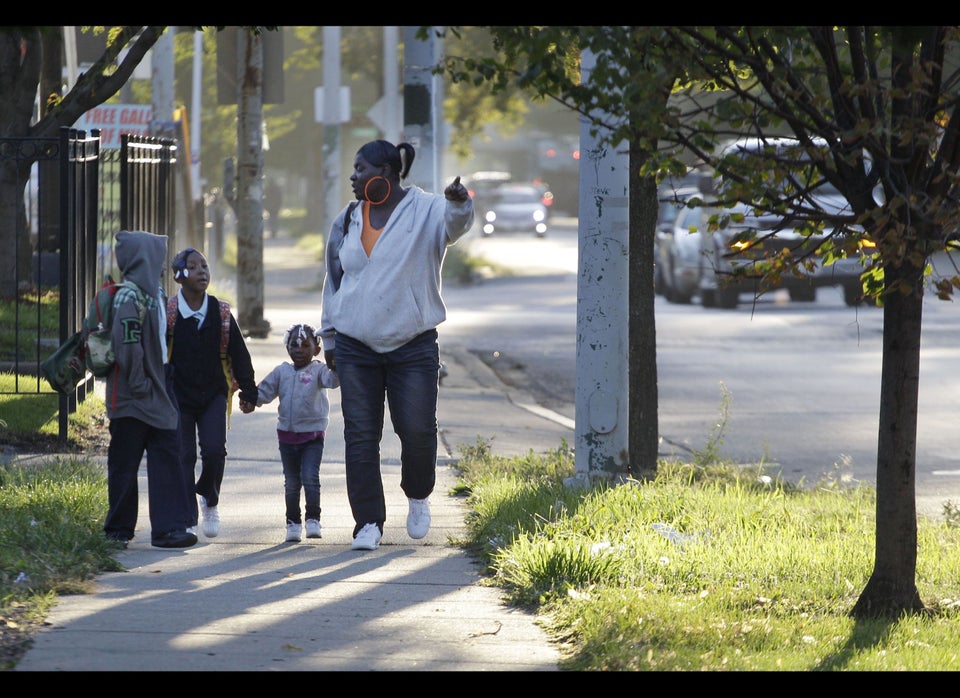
{"points": [[516, 208]]}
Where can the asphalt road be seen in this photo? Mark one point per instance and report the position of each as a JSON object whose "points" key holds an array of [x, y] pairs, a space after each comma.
{"points": [[794, 385]]}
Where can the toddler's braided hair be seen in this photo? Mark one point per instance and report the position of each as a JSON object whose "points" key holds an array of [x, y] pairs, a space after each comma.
{"points": [[298, 333]]}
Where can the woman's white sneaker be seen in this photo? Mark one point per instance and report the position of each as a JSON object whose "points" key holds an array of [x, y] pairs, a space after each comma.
{"points": [[313, 528], [418, 518], [368, 538]]}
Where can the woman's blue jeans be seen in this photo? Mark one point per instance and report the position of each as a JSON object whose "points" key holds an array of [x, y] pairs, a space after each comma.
{"points": [[301, 472], [409, 378]]}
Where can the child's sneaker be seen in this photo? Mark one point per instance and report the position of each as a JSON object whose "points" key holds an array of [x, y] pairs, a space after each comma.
{"points": [[368, 538], [418, 518], [211, 518], [293, 532], [313, 528]]}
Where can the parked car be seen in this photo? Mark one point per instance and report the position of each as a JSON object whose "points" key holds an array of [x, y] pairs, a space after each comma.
{"points": [[480, 185], [753, 235], [677, 249], [516, 208], [681, 255]]}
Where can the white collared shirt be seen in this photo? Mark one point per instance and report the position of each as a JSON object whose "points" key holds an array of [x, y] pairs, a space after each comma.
{"points": [[186, 311]]}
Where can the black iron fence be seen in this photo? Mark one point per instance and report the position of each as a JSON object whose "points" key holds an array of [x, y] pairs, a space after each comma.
{"points": [[77, 198]]}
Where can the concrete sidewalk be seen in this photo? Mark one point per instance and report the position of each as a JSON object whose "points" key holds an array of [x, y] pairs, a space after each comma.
{"points": [[248, 601]]}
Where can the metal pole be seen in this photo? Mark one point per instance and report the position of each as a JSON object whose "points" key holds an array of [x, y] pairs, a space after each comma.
{"points": [[70, 55], [419, 106], [391, 85], [601, 431], [161, 73], [196, 100], [331, 122]]}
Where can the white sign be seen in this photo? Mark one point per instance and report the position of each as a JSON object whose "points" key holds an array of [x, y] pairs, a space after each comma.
{"points": [[115, 119], [318, 107], [388, 123]]}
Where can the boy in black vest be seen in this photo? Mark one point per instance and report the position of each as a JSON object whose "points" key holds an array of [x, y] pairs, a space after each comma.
{"points": [[203, 379]]}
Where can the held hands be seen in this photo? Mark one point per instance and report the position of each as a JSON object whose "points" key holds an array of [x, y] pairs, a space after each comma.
{"points": [[456, 191], [247, 407]]}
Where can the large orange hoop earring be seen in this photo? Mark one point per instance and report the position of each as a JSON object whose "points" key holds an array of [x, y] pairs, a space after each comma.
{"points": [[366, 190]]}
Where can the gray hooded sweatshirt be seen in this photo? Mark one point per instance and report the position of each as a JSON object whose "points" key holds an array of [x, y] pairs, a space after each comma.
{"points": [[137, 387], [390, 297]]}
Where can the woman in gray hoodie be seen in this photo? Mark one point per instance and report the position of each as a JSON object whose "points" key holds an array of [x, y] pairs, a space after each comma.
{"points": [[140, 404], [381, 308]]}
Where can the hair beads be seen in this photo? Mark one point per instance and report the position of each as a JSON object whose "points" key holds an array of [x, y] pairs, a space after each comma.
{"points": [[298, 334]]}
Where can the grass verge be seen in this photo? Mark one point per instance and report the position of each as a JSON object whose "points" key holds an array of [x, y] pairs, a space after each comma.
{"points": [[51, 543], [705, 568]]}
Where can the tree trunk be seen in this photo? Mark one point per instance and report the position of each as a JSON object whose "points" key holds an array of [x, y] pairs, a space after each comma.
{"points": [[892, 590], [644, 427], [16, 272], [250, 188], [20, 61]]}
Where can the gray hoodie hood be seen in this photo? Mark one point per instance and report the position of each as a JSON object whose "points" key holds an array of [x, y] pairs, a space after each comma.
{"points": [[141, 257]]}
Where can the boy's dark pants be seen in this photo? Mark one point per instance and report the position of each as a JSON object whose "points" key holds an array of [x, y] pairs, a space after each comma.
{"points": [[208, 426], [130, 438]]}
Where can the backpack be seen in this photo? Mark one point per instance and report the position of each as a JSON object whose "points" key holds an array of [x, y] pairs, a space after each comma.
{"points": [[90, 348], [225, 361]]}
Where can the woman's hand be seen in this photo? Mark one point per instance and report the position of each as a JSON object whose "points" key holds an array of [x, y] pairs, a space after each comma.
{"points": [[456, 191]]}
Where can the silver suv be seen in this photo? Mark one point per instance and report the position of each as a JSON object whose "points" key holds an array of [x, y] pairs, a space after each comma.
{"points": [[752, 236]]}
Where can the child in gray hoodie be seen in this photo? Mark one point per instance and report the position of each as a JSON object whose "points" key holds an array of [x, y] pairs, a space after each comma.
{"points": [[302, 419], [140, 404]]}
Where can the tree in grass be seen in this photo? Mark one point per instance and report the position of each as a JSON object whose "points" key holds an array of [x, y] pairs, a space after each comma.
{"points": [[875, 112]]}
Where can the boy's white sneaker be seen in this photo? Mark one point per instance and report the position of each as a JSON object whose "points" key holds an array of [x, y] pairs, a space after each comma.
{"points": [[293, 532], [418, 518], [368, 538], [211, 519], [313, 528]]}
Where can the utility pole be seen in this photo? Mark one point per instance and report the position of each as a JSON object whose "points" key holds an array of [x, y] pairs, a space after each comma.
{"points": [[161, 74], [196, 108], [421, 109], [391, 85], [163, 126], [601, 410], [332, 186], [70, 55]]}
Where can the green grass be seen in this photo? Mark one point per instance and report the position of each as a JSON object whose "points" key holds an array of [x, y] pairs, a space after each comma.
{"points": [[19, 323], [704, 568], [51, 542], [31, 417]]}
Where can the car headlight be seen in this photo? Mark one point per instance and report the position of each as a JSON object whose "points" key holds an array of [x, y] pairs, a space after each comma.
{"points": [[490, 216], [539, 215]]}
